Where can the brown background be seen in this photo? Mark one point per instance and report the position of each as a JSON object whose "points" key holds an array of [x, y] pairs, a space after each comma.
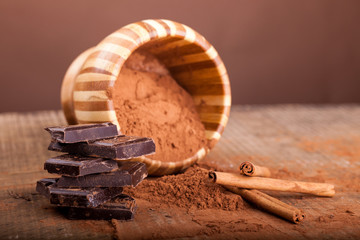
{"points": [[275, 51]]}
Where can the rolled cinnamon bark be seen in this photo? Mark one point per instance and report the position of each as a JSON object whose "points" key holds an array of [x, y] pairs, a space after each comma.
{"points": [[236, 180], [269, 204], [250, 169]]}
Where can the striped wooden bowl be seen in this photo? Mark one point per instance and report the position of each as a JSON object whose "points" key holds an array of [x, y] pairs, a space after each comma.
{"points": [[191, 60]]}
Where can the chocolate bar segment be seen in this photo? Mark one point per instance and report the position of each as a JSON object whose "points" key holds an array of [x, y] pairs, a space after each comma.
{"points": [[71, 165], [122, 207], [83, 132], [91, 197], [43, 186], [121, 147], [128, 174]]}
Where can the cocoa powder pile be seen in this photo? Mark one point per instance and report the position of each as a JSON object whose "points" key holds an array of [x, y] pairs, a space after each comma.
{"points": [[187, 190], [150, 103]]}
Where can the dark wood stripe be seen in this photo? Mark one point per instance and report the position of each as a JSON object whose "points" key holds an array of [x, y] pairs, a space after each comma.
{"points": [[178, 51], [213, 109], [171, 60], [162, 23], [161, 42], [92, 86], [213, 127], [201, 81], [95, 70], [94, 105], [195, 66], [207, 89], [150, 29], [109, 56], [131, 34]]}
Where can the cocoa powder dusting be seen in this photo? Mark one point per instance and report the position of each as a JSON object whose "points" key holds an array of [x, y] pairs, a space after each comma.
{"points": [[150, 103], [346, 147], [188, 190]]}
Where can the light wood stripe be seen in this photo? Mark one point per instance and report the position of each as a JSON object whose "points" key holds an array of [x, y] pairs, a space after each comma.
{"points": [[212, 135], [94, 105], [105, 55], [98, 116], [94, 77], [161, 31], [131, 34], [165, 26], [140, 31], [90, 96], [211, 100], [190, 34], [95, 70], [105, 65], [122, 42], [154, 166], [122, 36], [150, 30], [171, 26], [114, 48]]}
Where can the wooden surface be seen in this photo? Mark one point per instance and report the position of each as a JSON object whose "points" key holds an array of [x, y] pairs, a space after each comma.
{"points": [[311, 142]]}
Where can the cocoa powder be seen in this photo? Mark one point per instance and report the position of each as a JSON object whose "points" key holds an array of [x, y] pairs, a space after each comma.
{"points": [[191, 189], [150, 103]]}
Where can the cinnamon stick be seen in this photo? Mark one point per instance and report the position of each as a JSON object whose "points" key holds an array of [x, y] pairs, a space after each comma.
{"points": [[250, 169], [269, 204], [236, 180]]}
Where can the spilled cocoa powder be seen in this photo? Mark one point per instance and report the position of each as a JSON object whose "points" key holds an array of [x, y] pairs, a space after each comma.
{"points": [[190, 189], [150, 103], [345, 147]]}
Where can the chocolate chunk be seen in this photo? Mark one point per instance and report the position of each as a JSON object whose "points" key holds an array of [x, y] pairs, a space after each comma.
{"points": [[91, 197], [83, 132], [43, 186], [70, 165], [121, 147], [128, 174], [122, 207]]}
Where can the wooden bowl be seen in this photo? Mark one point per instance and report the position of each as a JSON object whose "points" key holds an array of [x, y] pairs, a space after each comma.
{"points": [[192, 61]]}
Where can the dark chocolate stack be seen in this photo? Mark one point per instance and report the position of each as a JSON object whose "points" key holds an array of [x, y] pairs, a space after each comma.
{"points": [[92, 181]]}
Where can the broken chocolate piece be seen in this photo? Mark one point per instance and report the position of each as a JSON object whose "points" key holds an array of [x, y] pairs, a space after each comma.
{"points": [[121, 147], [91, 197], [43, 186], [70, 165], [122, 207], [128, 174], [83, 132]]}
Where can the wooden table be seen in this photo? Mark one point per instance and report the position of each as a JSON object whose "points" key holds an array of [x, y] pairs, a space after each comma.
{"points": [[310, 142]]}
